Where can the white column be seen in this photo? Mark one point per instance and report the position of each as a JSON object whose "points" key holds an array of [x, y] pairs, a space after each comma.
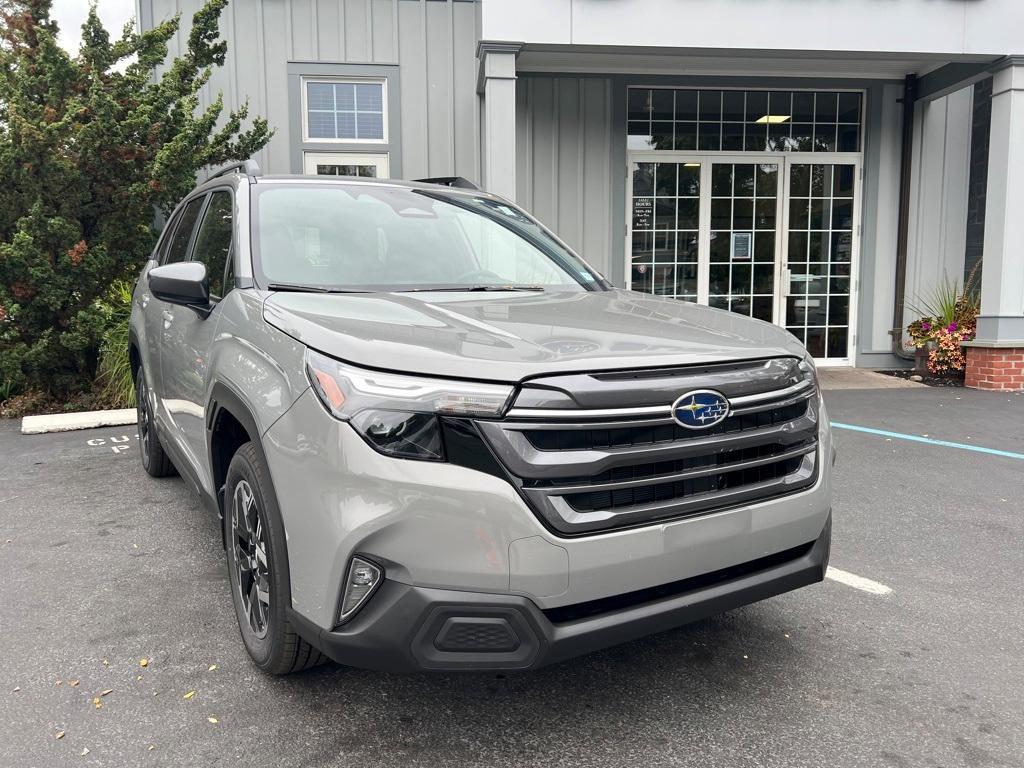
{"points": [[1002, 284], [497, 83]]}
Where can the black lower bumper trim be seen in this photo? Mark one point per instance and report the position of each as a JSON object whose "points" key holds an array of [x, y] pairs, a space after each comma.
{"points": [[397, 629]]}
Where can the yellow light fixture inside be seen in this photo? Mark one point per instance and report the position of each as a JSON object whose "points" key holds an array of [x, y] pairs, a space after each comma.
{"points": [[772, 119]]}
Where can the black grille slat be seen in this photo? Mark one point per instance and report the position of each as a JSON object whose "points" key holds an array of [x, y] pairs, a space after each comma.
{"points": [[625, 437], [680, 489]]}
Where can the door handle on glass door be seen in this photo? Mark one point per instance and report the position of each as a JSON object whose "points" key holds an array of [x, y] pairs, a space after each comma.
{"points": [[168, 318]]}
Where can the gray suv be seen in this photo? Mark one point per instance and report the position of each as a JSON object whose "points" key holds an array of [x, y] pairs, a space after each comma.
{"points": [[437, 439]]}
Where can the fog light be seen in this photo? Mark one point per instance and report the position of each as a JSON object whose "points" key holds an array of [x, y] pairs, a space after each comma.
{"points": [[363, 578]]}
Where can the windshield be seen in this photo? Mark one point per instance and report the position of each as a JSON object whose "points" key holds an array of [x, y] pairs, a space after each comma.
{"points": [[382, 238]]}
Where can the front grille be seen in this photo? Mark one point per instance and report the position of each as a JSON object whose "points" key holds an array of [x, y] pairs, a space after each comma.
{"points": [[587, 470]]}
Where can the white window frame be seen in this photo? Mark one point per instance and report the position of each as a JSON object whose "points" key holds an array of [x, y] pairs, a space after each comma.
{"points": [[304, 81], [378, 159]]}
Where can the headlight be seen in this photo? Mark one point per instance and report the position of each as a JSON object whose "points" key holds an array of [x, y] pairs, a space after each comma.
{"points": [[809, 370], [395, 413]]}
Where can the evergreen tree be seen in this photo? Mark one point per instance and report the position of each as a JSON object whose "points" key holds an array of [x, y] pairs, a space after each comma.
{"points": [[90, 146]]}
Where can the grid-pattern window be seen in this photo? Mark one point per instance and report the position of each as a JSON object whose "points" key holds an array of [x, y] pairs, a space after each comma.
{"points": [[666, 216], [820, 252], [744, 199], [712, 120], [345, 110]]}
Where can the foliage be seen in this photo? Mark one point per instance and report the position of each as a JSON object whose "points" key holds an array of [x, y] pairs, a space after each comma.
{"points": [[116, 387], [89, 146], [948, 317]]}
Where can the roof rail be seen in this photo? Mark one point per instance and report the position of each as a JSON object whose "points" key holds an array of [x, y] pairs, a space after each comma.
{"points": [[450, 181], [249, 167]]}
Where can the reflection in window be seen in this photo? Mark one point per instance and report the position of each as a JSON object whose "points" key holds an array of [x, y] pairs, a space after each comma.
{"points": [[666, 208], [713, 120], [820, 252], [345, 110]]}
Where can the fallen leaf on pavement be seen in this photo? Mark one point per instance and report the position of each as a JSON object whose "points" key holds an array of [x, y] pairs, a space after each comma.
{"points": [[84, 752], [73, 683], [152, 747], [106, 663], [212, 720], [189, 695], [143, 662], [97, 703], [212, 668], [60, 735], [105, 692], [17, 688], [57, 683]]}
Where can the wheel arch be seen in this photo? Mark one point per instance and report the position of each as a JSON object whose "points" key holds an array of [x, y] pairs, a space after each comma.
{"points": [[230, 424], [134, 355]]}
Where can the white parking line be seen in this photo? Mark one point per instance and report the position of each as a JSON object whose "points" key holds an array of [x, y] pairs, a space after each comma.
{"points": [[857, 582]]}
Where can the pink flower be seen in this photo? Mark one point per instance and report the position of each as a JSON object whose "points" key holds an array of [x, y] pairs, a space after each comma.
{"points": [[951, 327], [926, 326]]}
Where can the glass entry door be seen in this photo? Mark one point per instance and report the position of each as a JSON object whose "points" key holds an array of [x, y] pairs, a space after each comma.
{"points": [[820, 255], [767, 236]]}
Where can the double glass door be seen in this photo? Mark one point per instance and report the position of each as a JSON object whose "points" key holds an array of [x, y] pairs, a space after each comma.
{"points": [[771, 237]]}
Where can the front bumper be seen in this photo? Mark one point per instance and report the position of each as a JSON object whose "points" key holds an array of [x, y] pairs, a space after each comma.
{"points": [[409, 628]]}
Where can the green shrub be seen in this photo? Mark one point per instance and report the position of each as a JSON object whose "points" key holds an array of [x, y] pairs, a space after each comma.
{"points": [[90, 145], [115, 387]]}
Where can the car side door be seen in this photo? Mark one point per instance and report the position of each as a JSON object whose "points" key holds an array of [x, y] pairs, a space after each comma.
{"points": [[173, 247], [190, 335]]}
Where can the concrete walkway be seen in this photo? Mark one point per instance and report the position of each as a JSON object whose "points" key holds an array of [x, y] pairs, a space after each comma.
{"points": [[860, 378]]}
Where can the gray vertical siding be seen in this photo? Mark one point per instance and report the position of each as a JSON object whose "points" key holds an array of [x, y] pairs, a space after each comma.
{"points": [[563, 159], [433, 43], [936, 245]]}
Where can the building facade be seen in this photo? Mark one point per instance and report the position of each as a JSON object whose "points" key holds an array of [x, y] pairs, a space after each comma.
{"points": [[819, 164]]}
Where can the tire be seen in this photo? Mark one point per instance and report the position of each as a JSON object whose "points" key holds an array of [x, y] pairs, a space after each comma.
{"points": [[259, 583], [154, 460]]}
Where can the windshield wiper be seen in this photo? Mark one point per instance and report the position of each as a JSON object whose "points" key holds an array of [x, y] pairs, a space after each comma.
{"points": [[307, 288], [472, 288]]}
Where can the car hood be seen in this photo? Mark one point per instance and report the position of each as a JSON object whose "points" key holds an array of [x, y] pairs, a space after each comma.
{"points": [[511, 336]]}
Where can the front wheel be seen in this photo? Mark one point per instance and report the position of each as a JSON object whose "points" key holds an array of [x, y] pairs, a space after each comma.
{"points": [[257, 563], [154, 460]]}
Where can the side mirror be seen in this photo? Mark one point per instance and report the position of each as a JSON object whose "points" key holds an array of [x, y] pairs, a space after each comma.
{"points": [[183, 283]]}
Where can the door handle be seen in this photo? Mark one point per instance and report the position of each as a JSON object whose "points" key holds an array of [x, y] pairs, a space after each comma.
{"points": [[168, 318]]}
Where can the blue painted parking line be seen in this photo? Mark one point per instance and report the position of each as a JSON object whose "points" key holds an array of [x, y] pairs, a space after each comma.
{"points": [[928, 440]]}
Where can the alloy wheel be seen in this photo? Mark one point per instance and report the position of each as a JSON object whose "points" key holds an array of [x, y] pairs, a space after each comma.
{"points": [[249, 555], [142, 414]]}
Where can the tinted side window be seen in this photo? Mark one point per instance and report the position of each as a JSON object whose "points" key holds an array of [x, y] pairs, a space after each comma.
{"points": [[164, 241], [213, 243], [177, 250]]}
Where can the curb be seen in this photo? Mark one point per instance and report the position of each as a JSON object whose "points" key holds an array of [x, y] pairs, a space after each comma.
{"points": [[66, 422]]}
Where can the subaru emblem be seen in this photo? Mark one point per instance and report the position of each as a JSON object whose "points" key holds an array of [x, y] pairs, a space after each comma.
{"points": [[700, 409]]}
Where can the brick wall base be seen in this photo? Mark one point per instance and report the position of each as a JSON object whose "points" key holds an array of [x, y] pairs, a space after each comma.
{"points": [[995, 368]]}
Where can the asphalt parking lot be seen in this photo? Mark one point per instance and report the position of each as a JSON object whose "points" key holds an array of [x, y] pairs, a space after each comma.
{"points": [[102, 566]]}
